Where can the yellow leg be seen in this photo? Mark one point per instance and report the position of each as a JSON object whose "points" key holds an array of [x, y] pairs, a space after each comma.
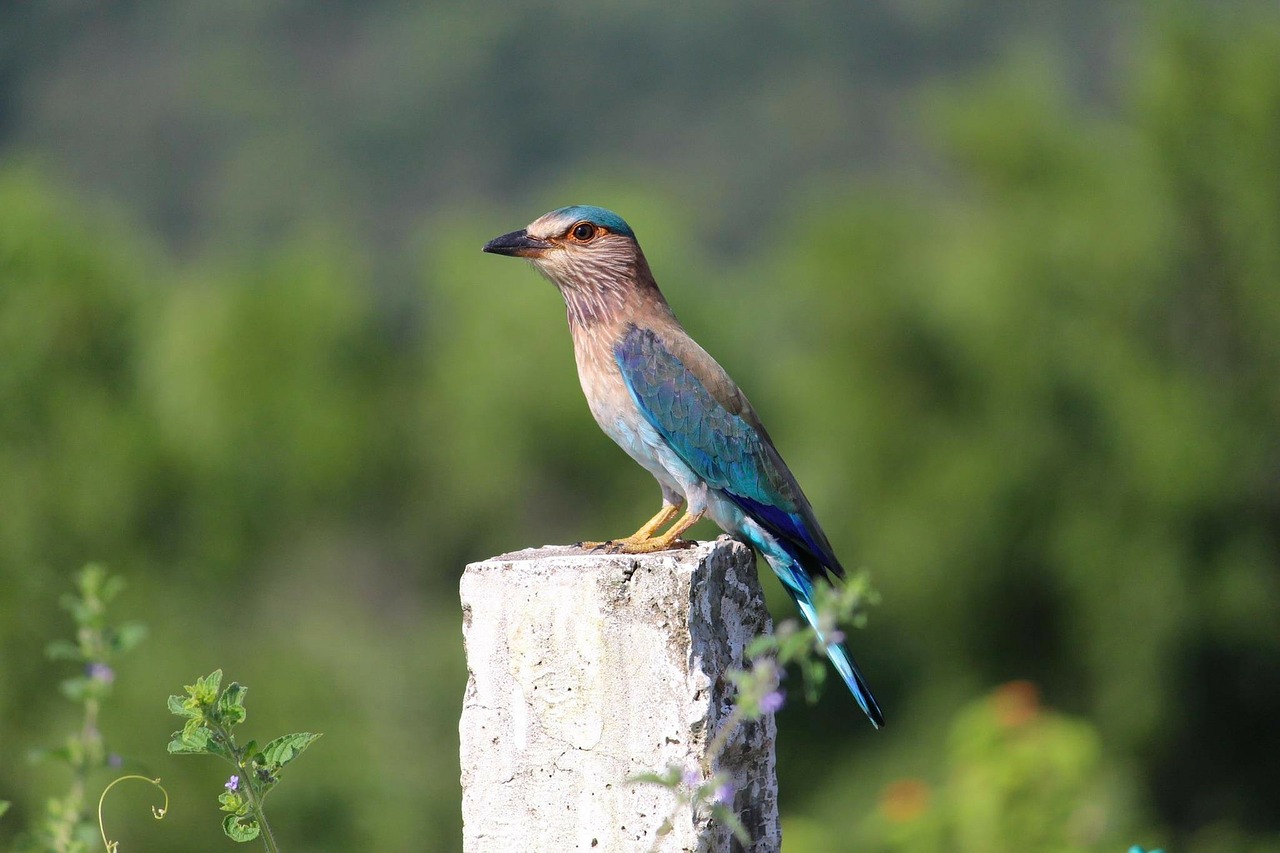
{"points": [[670, 539], [644, 534], [653, 525]]}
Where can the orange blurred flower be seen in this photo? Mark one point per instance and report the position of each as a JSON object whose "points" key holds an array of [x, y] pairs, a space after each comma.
{"points": [[904, 800], [1016, 703]]}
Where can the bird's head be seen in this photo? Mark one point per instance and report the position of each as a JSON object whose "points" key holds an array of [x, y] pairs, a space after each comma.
{"points": [[582, 249]]}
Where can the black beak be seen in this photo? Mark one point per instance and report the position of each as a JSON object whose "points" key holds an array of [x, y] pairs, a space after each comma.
{"points": [[518, 244]]}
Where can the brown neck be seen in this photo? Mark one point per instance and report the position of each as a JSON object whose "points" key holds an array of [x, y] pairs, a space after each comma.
{"points": [[609, 298]]}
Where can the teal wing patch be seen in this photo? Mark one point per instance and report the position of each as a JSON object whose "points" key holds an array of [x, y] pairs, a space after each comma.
{"points": [[721, 447]]}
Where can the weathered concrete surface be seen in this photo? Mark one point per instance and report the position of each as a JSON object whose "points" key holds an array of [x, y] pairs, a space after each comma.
{"points": [[587, 669]]}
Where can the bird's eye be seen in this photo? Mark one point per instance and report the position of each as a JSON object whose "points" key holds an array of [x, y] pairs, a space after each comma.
{"points": [[584, 231]]}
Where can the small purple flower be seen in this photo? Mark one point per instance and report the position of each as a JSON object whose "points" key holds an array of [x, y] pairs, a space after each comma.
{"points": [[99, 671], [773, 702], [835, 637], [114, 760], [692, 777], [233, 784], [724, 794]]}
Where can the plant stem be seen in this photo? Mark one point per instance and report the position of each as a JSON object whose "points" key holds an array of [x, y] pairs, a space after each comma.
{"points": [[250, 794], [255, 804]]}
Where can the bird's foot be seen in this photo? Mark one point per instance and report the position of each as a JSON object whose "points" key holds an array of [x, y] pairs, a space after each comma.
{"points": [[636, 546], [612, 546], [651, 546], [644, 542], [666, 542], [644, 534]]}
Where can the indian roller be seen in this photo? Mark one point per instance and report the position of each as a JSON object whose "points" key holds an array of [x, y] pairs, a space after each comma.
{"points": [[675, 411]]}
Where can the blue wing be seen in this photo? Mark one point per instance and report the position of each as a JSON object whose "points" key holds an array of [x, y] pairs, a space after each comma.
{"points": [[728, 449]]}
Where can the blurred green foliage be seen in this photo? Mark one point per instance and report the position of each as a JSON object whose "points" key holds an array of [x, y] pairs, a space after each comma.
{"points": [[1018, 777], [222, 123], [1034, 390]]}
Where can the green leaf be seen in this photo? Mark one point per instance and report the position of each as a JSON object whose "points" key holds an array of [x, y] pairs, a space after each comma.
{"points": [[231, 711], [190, 740], [726, 816], [284, 749], [815, 673], [210, 683], [670, 779], [74, 688], [205, 690], [178, 747], [177, 705], [39, 756], [82, 615], [194, 730], [240, 828], [796, 645], [4, 807], [111, 587], [234, 803], [63, 650], [127, 636]]}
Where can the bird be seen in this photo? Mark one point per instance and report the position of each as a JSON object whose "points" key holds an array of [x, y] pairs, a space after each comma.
{"points": [[675, 411]]}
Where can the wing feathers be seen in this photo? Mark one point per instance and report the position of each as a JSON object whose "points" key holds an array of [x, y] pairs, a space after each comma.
{"points": [[718, 436]]}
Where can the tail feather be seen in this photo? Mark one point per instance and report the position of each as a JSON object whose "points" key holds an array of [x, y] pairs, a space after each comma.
{"points": [[800, 587]]}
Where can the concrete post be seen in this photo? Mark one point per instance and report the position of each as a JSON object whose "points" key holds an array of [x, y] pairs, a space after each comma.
{"points": [[587, 669]]}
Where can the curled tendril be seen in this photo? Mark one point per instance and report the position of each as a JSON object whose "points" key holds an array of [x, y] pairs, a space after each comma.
{"points": [[158, 812]]}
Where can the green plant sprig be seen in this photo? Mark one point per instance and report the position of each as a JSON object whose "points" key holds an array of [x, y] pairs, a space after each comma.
{"points": [[97, 644], [211, 713]]}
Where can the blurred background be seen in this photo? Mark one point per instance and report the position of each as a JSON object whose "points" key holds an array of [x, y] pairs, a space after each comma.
{"points": [[1001, 278]]}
